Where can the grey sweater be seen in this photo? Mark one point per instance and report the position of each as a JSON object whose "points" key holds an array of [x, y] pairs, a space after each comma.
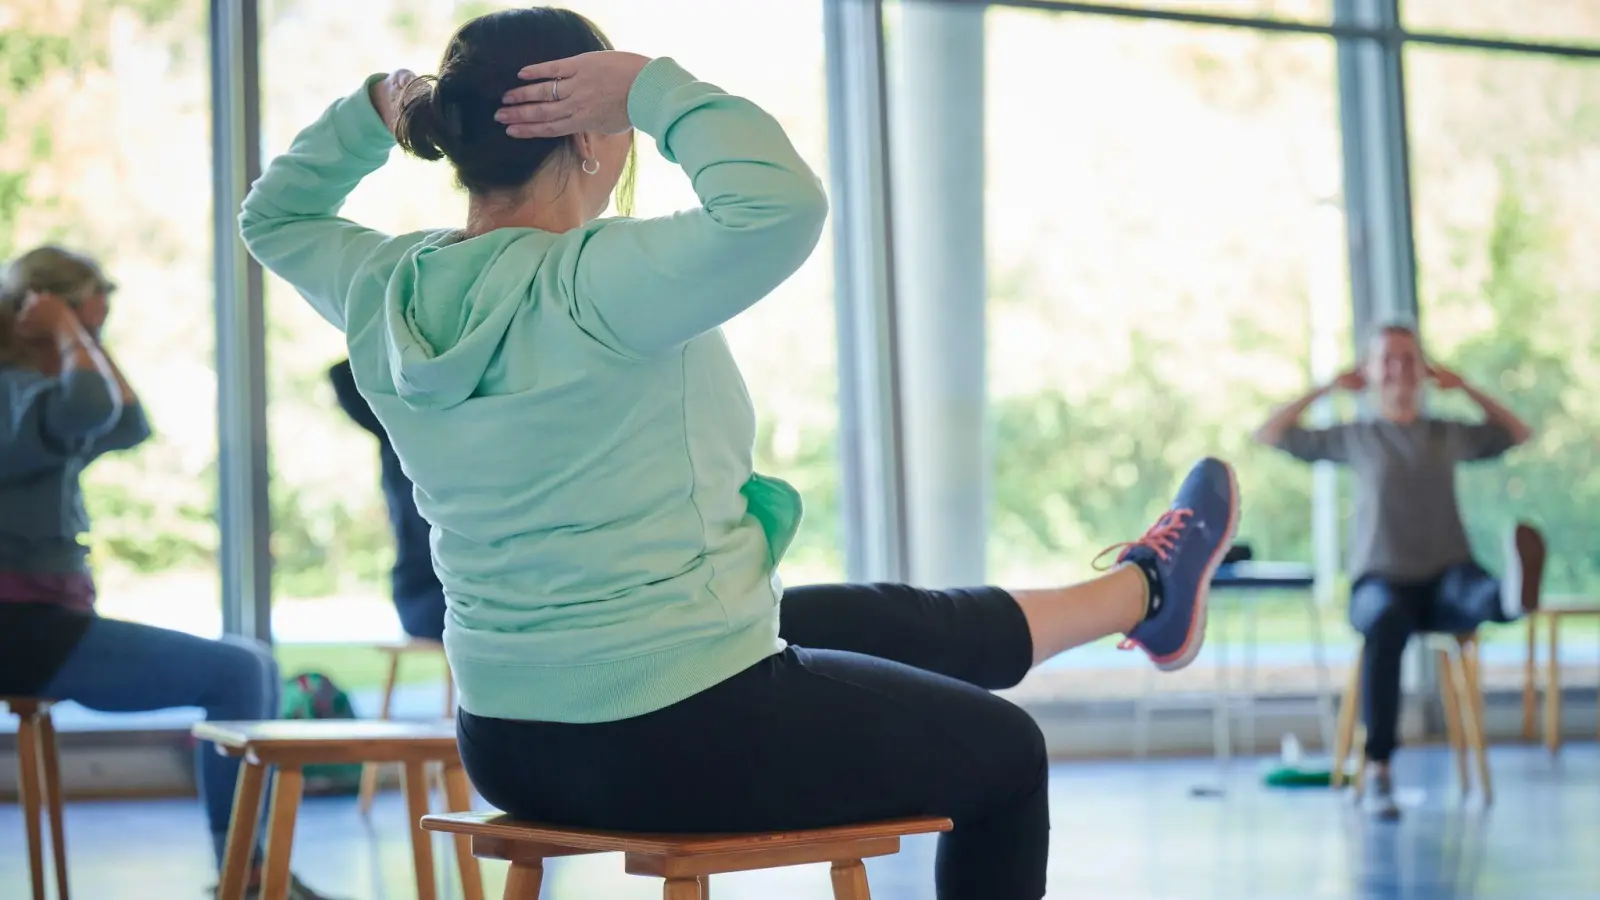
{"points": [[1407, 525], [51, 428]]}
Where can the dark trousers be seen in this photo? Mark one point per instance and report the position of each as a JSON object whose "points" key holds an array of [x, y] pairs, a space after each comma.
{"points": [[1388, 613], [879, 709]]}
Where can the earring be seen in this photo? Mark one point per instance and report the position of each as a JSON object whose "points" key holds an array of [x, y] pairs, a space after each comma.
{"points": [[587, 170]]}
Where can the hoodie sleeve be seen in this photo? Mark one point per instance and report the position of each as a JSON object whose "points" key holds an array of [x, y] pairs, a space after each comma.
{"points": [[644, 286], [290, 222], [45, 420]]}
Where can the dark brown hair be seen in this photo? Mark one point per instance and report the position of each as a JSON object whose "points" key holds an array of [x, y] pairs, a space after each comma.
{"points": [[451, 115]]}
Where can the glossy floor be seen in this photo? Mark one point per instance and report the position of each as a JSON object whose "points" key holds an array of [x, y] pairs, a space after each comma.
{"points": [[1134, 831]]}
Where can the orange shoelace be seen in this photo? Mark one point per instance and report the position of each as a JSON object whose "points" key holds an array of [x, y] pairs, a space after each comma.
{"points": [[1161, 539]]}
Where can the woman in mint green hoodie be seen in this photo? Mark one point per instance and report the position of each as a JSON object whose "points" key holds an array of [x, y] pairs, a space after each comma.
{"points": [[558, 389]]}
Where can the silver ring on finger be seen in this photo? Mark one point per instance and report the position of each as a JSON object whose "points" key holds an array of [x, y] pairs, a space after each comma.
{"points": [[553, 83]]}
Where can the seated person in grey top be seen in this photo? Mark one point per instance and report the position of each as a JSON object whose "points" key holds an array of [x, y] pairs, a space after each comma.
{"points": [[1410, 565]]}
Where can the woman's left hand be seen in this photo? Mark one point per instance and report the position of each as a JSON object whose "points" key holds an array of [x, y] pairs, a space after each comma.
{"points": [[386, 95]]}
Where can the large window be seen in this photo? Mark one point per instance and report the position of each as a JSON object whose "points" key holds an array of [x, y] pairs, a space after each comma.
{"points": [[1505, 154], [105, 148], [331, 541], [1164, 242]]}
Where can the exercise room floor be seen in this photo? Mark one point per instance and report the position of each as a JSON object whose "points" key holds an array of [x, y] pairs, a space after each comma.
{"points": [[1123, 831]]}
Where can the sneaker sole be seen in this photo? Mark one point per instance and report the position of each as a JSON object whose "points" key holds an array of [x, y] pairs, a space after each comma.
{"points": [[1530, 556], [1197, 624]]}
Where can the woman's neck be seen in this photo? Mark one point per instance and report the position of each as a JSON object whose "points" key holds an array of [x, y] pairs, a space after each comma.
{"points": [[546, 204]]}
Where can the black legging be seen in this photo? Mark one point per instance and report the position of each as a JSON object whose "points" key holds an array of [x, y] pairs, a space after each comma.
{"points": [[1388, 612], [879, 709]]}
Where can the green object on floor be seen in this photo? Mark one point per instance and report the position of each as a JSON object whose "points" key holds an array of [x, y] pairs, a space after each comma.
{"points": [[1298, 776], [313, 695]]}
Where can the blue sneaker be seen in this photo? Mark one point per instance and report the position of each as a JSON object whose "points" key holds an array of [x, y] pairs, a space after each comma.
{"points": [[1180, 554]]}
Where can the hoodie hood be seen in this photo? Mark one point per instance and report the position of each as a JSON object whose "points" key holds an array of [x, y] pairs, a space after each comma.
{"points": [[448, 306]]}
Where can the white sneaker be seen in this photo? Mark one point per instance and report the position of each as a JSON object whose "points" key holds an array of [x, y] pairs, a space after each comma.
{"points": [[1379, 798]]}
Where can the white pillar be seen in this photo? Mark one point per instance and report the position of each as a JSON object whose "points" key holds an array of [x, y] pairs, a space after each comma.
{"points": [[937, 145]]}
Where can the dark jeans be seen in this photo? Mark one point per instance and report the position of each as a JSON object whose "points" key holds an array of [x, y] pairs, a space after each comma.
{"points": [[879, 709], [1388, 612]]}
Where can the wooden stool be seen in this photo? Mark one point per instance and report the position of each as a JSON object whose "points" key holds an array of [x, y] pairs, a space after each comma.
{"points": [[686, 862], [1552, 617], [36, 744], [289, 746], [1461, 693], [396, 652]]}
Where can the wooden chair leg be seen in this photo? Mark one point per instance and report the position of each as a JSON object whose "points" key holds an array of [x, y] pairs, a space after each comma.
{"points": [[850, 881], [1530, 677], [52, 796], [1452, 700], [1552, 686], [458, 798], [1344, 735], [416, 784], [705, 887], [681, 889], [370, 771], [1472, 676], [28, 781], [240, 850], [286, 790], [524, 881]]}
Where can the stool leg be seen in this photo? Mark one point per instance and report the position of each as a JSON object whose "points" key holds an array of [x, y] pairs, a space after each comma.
{"points": [[369, 771], [52, 797], [286, 791], [523, 881], [850, 881], [237, 855], [458, 798], [416, 780], [1480, 743], [1552, 686], [1450, 697], [32, 806], [1345, 731], [1530, 673], [681, 889]]}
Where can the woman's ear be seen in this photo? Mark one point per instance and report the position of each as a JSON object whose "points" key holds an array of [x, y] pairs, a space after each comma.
{"points": [[583, 143]]}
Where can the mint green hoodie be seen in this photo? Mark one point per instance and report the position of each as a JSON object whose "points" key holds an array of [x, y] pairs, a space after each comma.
{"points": [[578, 432]]}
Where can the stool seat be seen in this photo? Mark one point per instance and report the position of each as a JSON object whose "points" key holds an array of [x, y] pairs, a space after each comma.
{"points": [[289, 746], [686, 861]]}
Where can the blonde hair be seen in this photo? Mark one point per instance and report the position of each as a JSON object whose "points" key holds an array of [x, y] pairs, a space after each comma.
{"points": [[73, 277]]}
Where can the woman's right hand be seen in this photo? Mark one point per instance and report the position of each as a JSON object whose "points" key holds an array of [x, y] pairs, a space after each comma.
{"points": [[1352, 379], [587, 92]]}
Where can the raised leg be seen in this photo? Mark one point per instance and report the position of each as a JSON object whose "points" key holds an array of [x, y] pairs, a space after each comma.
{"points": [[370, 771], [416, 779], [32, 806], [524, 881], [236, 858], [286, 791], [850, 881], [458, 798], [1453, 702], [52, 798]]}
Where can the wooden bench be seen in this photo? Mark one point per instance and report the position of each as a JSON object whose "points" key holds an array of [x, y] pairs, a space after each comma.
{"points": [[1460, 692], [289, 746], [39, 770], [685, 862], [395, 653]]}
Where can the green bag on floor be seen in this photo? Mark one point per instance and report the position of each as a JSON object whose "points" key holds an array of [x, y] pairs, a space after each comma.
{"points": [[313, 695]]}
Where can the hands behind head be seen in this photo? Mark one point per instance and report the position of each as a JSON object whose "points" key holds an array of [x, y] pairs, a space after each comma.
{"points": [[1352, 379], [1445, 379], [587, 92], [44, 315], [387, 94]]}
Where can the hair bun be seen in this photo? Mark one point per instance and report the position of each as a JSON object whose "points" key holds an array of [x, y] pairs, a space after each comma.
{"points": [[421, 128]]}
